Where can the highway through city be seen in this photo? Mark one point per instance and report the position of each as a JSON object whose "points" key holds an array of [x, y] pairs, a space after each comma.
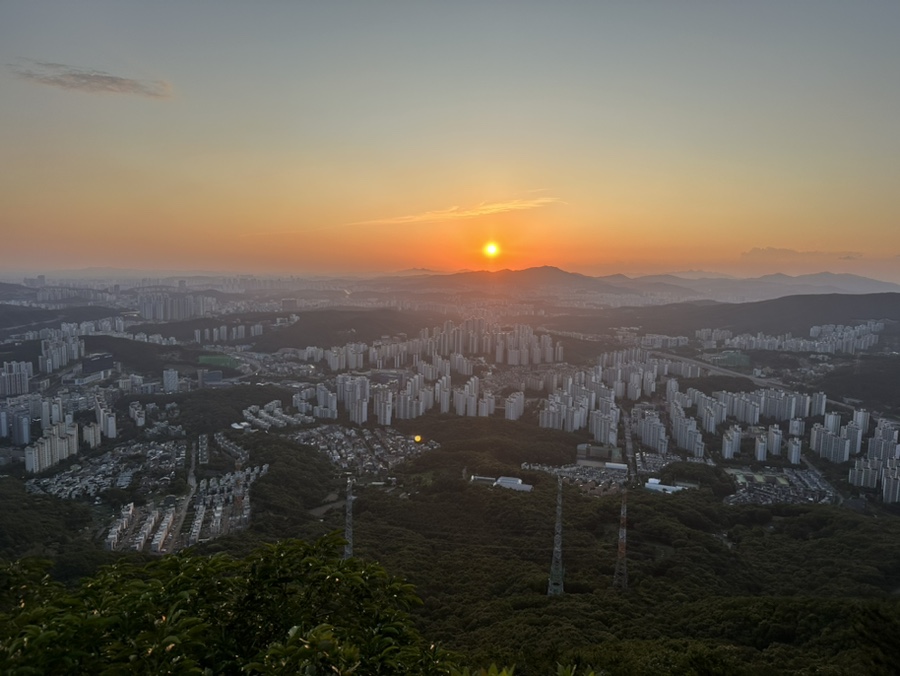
{"points": [[718, 370]]}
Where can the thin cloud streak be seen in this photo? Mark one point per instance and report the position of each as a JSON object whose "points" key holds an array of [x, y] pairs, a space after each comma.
{"points": [[90, 81], [455, 213], [440, 215]]}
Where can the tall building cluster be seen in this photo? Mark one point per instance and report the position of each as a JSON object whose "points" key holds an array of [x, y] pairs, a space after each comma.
{"points": [[18, 414], [731, 442], [266, 417], [828, 339], [405, 397], [710, 338], [106, 420], [21, 415], [655, 341], [881, 464], [766, 443], [685, 432], [650, 429], [435, 355], [15, 378], [587, 397], [747, 408], [15, 422], [170, 380], [56, 353], [351, 356], [353, 393], [224, 334], [326, 405], [573, 404], [175, 306], [57, 443], [459, 344], [414, 396], [514, 406], [836, 442], [471, 401]]}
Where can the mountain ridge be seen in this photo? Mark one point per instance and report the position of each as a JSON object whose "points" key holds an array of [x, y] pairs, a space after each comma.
{"points": [[548, 280]]}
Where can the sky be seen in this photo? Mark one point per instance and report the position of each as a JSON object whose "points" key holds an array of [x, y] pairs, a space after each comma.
{"points": [[289, 137]]}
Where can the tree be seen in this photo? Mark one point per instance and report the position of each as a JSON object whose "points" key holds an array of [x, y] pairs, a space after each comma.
{"points": [[288, 607]]}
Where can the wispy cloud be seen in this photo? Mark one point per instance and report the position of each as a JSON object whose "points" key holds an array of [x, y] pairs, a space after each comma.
{"points": [[437, 216], [90, 81], [456, 213]]}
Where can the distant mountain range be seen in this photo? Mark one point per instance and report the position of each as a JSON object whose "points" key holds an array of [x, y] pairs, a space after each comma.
{"points": [[551, 282], [778, 285]]}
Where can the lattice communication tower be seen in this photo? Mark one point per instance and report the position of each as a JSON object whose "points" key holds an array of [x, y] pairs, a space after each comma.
{"points": [[620, 576], [555, 585]]}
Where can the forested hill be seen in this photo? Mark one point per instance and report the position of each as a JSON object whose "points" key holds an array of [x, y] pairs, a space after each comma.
{"points": [[15, 292], [16, 319], [292, 608], [713, 589], [791, 314], [325, 328]]}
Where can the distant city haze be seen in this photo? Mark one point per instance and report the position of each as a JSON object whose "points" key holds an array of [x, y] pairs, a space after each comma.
{"points": [[361, 138]]}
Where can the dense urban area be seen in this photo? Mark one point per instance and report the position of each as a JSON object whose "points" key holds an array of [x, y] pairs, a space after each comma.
{"points": [[159, 406]]}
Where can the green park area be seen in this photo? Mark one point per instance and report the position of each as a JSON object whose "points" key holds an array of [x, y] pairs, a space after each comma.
{"points": [[218, 361]]}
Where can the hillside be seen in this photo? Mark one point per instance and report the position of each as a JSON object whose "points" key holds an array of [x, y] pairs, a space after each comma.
{"points": [[15, 319], [750, 589], [15, 292], [184, 330], [209, 411], [326, 328], [712, 589], [150, 359], [872, 380], [26, 350], [791, 314]]}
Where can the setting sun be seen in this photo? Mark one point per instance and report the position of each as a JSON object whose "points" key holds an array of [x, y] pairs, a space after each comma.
{"points": [[491, 249]]}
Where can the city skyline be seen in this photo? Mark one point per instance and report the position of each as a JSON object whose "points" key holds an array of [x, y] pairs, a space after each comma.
{"points": [[354, 138]]}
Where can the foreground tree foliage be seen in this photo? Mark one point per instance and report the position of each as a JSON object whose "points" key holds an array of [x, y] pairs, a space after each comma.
{"points": [[713, 588], [289, 607], [292, 607]]}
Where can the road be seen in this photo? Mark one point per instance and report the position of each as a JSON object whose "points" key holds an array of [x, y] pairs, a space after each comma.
{"points": [[762, 382], [629, 449], [175, 543]]}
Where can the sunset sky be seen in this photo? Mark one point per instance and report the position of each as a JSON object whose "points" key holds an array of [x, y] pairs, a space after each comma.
{"points": [[317, 137]]}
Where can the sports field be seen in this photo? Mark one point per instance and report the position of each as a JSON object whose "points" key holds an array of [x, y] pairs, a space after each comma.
{"points": [[222, 361]]}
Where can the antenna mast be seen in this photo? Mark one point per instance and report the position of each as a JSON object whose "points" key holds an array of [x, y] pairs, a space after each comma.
{"points": [[555, 585], [620, 577], [348, 521]]}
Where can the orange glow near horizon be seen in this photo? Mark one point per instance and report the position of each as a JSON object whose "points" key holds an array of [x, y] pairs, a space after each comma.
{"points": [[184, 158]]}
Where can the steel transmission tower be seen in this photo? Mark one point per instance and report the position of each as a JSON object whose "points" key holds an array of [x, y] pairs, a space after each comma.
{"points": [[620, 577], [555, 585], [348, 521]]}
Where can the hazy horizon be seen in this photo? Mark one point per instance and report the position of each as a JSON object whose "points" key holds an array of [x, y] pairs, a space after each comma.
{"points": [[112, 273], [354, 138]]}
